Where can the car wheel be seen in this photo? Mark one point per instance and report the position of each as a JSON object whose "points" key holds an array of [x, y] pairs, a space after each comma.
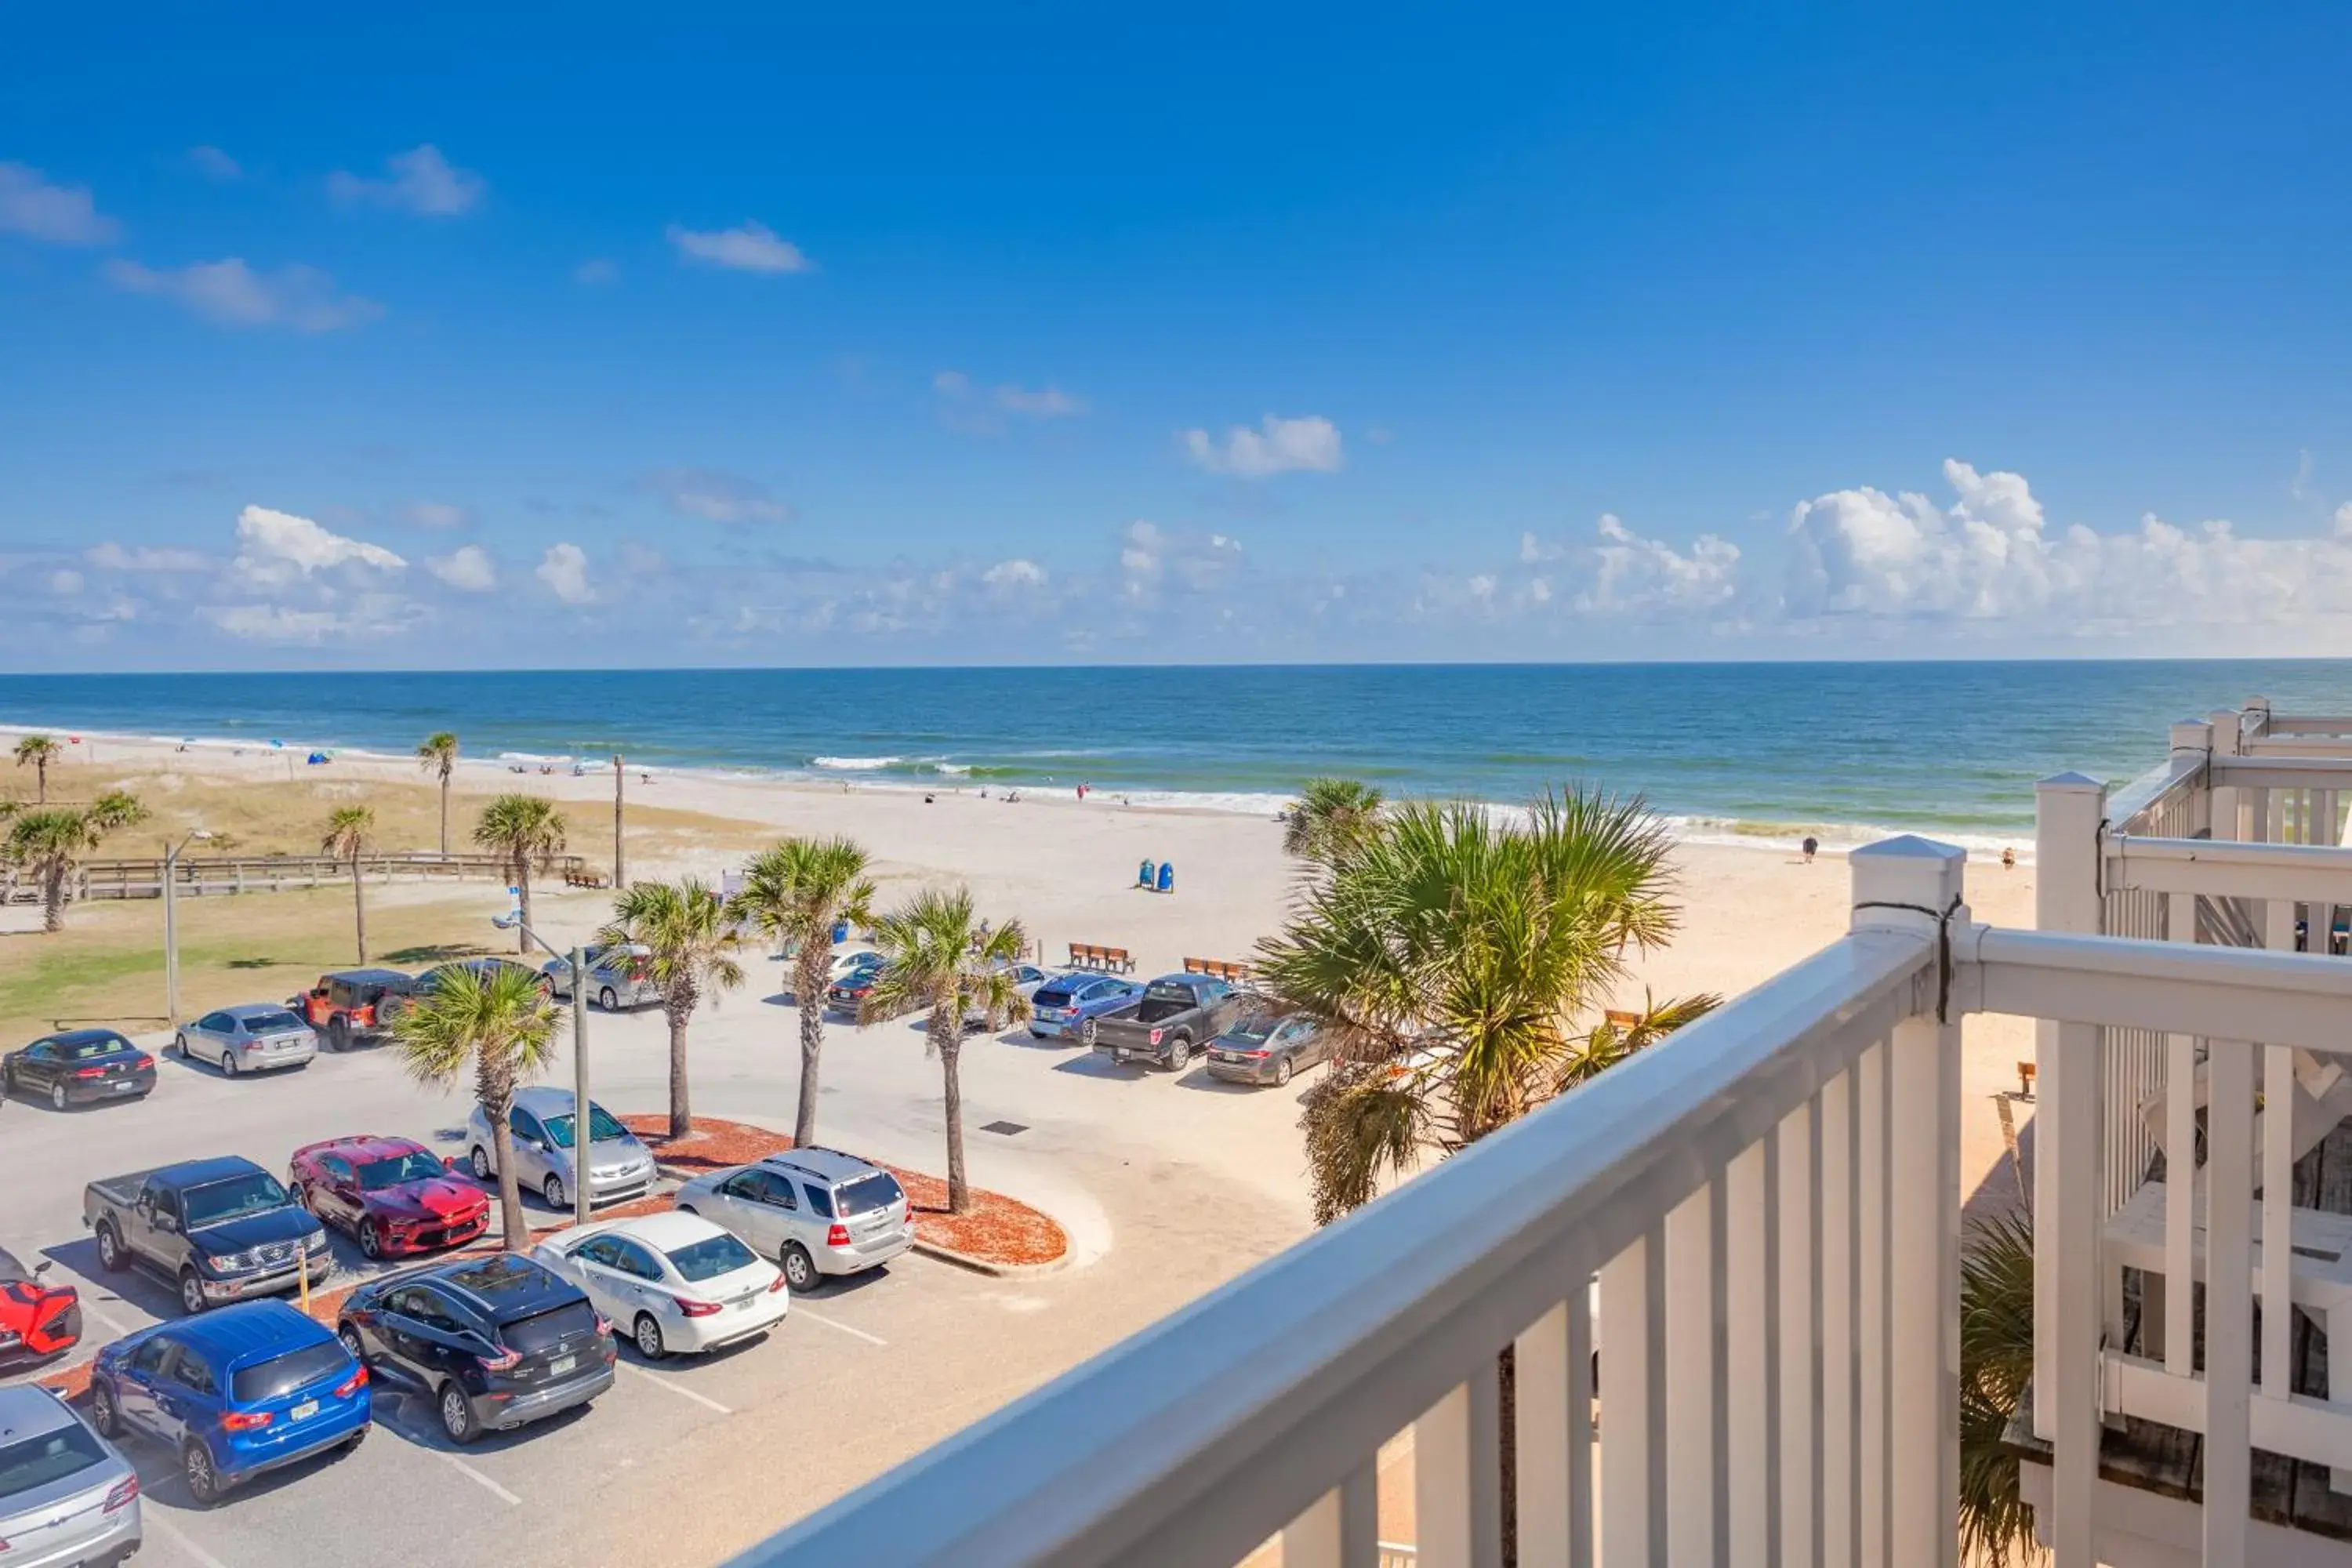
{"points": [[57, 1100], [228, 1064], [203, 1482], [1282, 1070], [800, 1268], [111, 1256], [480, 1160], [553, 1191], [351, 1338], [607, 1000], [649, 1337], [371, 1243], [192, 1292], [180, 1045], [458, 1415], [350, 1445], [104, 1413], [339, 1034], [1180, 1054]]}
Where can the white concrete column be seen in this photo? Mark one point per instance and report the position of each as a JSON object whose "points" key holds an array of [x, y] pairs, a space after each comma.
{"points": [[1923, 1202], [2194, 737], [2067, 812], [2227, 743]]}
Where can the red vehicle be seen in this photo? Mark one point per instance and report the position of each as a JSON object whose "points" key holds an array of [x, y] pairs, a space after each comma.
{"points": [[392, 1195], [354, 1007], [36, 1320]]}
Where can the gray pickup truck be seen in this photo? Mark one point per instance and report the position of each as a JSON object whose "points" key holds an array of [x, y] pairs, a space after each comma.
{"points": [[1176, 1016], [222, 1230]]}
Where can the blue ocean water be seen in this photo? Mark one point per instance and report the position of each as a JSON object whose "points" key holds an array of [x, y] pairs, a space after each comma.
{"points": [[1764, 749]]}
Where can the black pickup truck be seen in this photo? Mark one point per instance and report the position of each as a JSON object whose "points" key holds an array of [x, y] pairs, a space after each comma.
{"points": [[221, 1230], [1176, 1015]]}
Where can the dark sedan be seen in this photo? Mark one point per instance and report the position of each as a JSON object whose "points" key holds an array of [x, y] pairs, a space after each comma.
{"points": [[1267, 1048], [79, 1067]]}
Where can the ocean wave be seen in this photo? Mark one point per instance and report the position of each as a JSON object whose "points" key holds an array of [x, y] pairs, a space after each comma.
{"points": [[854, 765], [534, 757], [1750, 832]]}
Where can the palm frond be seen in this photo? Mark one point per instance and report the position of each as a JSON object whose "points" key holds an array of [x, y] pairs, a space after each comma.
{"points": [[1996, 1364], [1363, 1126]]}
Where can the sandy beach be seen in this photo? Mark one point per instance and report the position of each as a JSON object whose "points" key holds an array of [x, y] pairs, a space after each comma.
{"points": [[1067, 868]]}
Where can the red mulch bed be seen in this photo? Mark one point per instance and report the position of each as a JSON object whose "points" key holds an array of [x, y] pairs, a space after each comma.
{"points": [[994, 1227]]}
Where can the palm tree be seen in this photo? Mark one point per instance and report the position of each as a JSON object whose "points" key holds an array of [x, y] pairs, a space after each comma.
{"points": [[798, 892], [502, 1027], [693, 942], [939, 955], [1454, 957], [437, 754], [37, 752], [526, 830], [1996, 1362], [50, 841], [1330, 818], [350, 834]]}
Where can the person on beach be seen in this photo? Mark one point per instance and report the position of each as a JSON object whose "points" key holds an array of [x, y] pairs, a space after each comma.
{"points": [[1811, 846], [2008, 859]]}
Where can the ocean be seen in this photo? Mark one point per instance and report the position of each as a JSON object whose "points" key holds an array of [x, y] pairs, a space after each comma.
{"points": [[1741, 752]]}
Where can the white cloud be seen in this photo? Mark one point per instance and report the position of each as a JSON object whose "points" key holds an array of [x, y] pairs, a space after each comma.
{"points": [[58, 214], [1014, 574], [276, 548], [751, 248], [65, 583], [438, 515], [979, 410], [418, 181], [2343, 520], [1629, 574], [595, 271], [232, 294], [1277, 445], [109, 556], [469, 569], [716, 497], [274, 623], [564, 569], [213, 164], [1150, 557]]}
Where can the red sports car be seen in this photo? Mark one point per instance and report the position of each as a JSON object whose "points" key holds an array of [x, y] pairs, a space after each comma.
{"points": [[393, 1195], [36, 1320]]}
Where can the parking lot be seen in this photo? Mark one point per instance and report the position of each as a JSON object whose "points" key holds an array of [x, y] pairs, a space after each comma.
{"points": [[1168, 1185]]}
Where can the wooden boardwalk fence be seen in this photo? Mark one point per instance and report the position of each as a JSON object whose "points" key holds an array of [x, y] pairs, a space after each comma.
{"points": [[198, 877]]}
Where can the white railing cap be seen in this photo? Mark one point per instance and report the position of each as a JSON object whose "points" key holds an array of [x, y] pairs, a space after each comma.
{"points": [[2070, 783]]}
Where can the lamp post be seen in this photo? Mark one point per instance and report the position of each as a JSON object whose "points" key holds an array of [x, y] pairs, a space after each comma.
{"points": [[582, 1128], [172, 924]]}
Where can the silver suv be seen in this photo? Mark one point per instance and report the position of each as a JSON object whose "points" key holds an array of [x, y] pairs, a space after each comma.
{"points": [[541, 1122], [814, 1211]]}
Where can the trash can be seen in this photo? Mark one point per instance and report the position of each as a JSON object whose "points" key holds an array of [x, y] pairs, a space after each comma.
{"points": [[1143, 879], [840, 932], [1168, 876]]}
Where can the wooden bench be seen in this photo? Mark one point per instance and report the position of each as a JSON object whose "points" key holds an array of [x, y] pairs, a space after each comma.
{"points": [[1109, 960], [1218, 969], [582, 877]]}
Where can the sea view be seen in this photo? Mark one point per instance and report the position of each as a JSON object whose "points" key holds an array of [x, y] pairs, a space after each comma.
{"points": [[1747, 751]]}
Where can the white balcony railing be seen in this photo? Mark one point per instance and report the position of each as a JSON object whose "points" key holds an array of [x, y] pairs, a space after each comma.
{"points": [[1771, 1204]]}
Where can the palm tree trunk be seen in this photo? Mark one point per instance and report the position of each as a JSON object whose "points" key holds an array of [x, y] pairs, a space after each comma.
{"points": [[359, 906], [947, 1038], [681, 1112], [516, 1229], [808, 994], [445, 809], [53, 897], [41, 772], [523, 895]]}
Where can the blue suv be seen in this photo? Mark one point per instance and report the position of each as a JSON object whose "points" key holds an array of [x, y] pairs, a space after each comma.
{"points": [[1065, 1002], [238, 1391]]}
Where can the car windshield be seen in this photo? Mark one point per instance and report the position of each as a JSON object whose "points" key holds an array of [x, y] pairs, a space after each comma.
{"points": [[270, 1023], [1254, 1028], [874, 1190], [545, 1331], [601, 1127], [50, 1457], [278, 1377], [414, 1166], [709, 1258], [216, 1200], [83, 1050]]}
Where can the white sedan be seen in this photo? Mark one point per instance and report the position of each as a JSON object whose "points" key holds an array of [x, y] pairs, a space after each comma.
{"points": [[670, 1282]]}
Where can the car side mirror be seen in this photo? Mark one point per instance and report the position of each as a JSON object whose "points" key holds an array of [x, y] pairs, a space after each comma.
{"points": [[43, 1266]]}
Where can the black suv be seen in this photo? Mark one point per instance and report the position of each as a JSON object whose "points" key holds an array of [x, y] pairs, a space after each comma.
{"points": [[493, 1342]]}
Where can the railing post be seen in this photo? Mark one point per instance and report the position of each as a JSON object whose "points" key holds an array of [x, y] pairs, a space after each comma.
{"points": [[2228, 741], [2069, 1122], [2194, 737], [1923, 1210]]}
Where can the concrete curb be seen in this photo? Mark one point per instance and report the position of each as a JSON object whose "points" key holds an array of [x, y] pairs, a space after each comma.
{"points": [[977, 1264]]}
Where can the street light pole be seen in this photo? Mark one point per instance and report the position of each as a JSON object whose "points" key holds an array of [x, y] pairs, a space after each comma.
{"points": [[582, 1128], [620, 875], [172, 926]]}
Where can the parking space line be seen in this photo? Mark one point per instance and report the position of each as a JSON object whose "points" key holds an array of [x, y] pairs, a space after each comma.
{"points": [[90, 1312], [152, 1518], [467, 1470], [678, 1388], [844, 1328]]}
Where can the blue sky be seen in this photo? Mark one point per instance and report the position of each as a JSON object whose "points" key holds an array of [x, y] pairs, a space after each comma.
{"points": [[1228, 335]]}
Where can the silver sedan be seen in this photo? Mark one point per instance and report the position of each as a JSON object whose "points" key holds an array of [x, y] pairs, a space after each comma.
{"points": [[617, 977], [255, 1037]]}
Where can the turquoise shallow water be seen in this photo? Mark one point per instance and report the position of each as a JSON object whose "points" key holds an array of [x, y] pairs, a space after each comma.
{"points": [[1745, 750]]}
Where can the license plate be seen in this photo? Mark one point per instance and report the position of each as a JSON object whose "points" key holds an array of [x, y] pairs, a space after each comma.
{"points": [[125, 1086], [304, 1410], [744, 1301], [561, 1364]]}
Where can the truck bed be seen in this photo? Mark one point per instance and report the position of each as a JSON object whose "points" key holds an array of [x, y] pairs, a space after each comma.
{"points": [[122, 1192]]}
